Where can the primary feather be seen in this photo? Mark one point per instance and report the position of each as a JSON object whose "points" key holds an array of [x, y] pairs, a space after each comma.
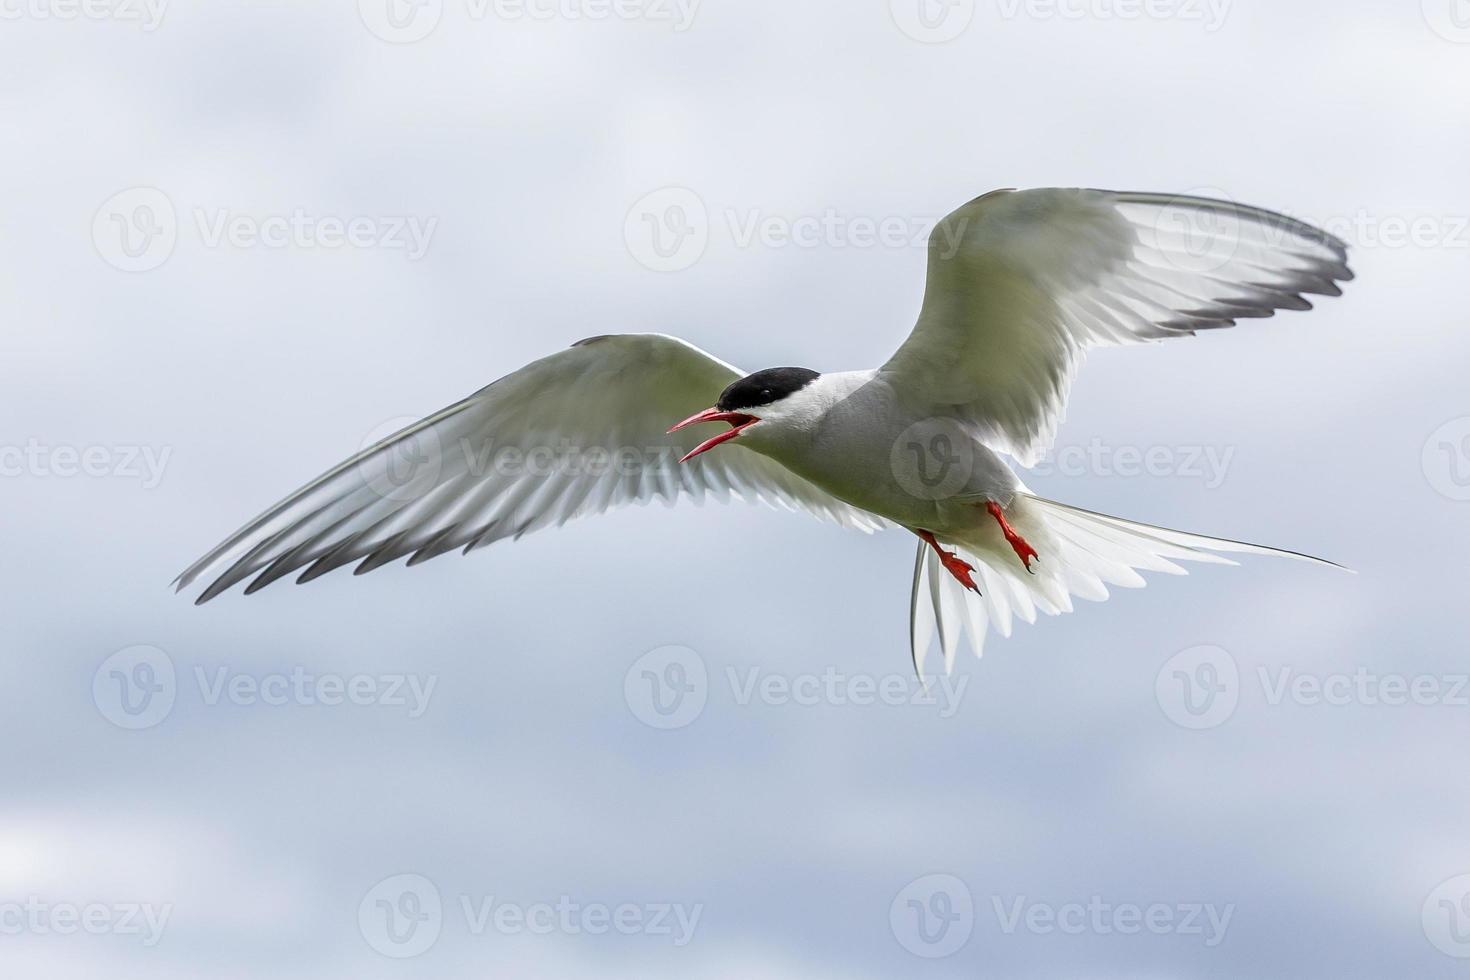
{"points": [[1022, 283], [444, 483]]}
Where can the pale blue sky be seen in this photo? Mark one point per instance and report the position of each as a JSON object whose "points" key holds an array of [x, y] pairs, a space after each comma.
{"points": [[148, 413]]}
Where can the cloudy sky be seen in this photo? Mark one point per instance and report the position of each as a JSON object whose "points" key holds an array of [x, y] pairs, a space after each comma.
{"points": [[241, 239]]}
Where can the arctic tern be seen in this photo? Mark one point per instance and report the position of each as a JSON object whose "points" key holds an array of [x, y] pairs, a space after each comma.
{"points": [[1020, 285]]}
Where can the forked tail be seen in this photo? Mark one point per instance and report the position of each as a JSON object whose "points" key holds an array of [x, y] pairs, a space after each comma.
{"points": [[1081, 554]]}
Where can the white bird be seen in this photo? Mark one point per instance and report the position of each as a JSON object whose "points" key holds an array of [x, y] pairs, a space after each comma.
{"points": [[1020, 285]]}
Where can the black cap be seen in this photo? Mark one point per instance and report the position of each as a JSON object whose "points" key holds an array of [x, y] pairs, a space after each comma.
{"points": [[765, 387]]}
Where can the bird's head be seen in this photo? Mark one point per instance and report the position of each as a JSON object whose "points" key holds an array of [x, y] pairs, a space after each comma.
{"points": [[765, 398]]}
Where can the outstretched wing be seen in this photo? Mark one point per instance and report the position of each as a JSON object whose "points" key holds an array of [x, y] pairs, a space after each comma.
{"points": [[571, 434], [1022, 283]]}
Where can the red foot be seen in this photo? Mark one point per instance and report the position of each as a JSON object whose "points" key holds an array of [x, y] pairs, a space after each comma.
{"points": [[1020, 545], [953, 563]]}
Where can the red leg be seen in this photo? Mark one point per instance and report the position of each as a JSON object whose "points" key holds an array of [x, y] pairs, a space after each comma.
{"points": [[1020, 545], [953, 563]]}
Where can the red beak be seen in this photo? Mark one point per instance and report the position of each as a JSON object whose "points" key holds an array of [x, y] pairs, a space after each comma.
{"points": [[739, 420]]}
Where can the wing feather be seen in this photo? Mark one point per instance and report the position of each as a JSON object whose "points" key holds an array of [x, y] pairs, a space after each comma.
{"points": [[566, 436], [1022, 283]]}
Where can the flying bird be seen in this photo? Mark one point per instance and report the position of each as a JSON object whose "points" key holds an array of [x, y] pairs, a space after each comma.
{"points": [[1020, 285]]}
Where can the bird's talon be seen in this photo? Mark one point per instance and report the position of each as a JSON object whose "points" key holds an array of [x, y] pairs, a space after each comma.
{"points": [[962, 570], [1018, 544]]}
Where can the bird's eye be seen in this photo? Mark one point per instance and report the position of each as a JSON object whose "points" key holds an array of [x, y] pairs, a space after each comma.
{"points": [[766, 393]]}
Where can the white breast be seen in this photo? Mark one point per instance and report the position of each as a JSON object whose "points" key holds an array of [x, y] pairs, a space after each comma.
{"points": [[852, 435]]}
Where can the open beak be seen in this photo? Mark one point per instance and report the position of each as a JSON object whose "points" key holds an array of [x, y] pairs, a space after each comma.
{"points": [[738, 420]]}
